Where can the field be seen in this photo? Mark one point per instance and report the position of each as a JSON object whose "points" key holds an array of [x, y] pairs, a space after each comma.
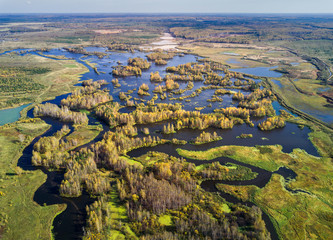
{"points": [[303, 95], [60, 31], [20, 215], [319, 48], [58, 79], [245, 55]]}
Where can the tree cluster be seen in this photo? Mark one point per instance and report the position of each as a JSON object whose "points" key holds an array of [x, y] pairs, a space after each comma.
{"points": [[138, 62], [86, 98], [143, 90], [155, 77], [206, 137], [272, 123], [125, 71], [160, 57], [62, 113], [115, 83]]}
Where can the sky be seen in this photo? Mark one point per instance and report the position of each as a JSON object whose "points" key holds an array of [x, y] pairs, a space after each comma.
{"points": [[166, 6]]}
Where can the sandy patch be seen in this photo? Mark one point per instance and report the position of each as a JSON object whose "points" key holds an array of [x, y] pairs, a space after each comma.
{"points": [[105, 31], [167, 42]]}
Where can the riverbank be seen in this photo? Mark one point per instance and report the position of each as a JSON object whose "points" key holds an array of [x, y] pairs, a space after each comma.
{"points": [[20, 215]]}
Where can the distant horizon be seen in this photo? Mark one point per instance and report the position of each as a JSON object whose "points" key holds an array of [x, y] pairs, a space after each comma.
{"points": [[169, 7], [163, 13]]}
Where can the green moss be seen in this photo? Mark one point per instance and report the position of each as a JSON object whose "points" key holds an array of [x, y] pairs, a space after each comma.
{"points": [[84, 134], [165, 220], [131, 161], [249, 155], [225, 208]]}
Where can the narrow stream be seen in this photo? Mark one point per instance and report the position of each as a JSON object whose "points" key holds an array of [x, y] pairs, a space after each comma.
{"points": [[69, 224]]}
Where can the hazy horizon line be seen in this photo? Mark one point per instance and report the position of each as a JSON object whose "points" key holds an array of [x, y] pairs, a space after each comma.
{"points": [[173, 13]]}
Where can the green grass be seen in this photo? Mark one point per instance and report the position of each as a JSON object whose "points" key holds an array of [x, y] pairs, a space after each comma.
{"points": [[119, 214], [131, 161], [70, 65], [322, 49], [311, 103], [21, 217], [249, 155], [71, 39], [118, 211], [203, 166], [150, 158], [296, 216], [244, 193], [216, 54], [248, 55], [225, 208]]}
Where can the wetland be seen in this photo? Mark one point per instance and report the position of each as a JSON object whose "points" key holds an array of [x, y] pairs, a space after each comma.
{"points": [[160, 142]]}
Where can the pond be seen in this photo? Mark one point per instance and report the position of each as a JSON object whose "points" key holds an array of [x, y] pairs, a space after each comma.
{"points": [[11, 114]]}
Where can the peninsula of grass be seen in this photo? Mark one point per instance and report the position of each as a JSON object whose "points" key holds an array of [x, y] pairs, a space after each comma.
{"points": [[20, 215], [296, 216], [229, 172], [250, 155], [244, 193], [83, 134]]}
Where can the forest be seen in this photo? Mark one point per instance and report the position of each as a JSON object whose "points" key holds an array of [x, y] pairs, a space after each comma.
{"points": [[168, 186], [18, 79]]}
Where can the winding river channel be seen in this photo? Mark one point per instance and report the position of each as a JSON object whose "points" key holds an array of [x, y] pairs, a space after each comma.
{"points": [[70, 223]]}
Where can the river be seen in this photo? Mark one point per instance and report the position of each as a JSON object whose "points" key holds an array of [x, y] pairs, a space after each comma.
{"points": [[69, 224]]}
